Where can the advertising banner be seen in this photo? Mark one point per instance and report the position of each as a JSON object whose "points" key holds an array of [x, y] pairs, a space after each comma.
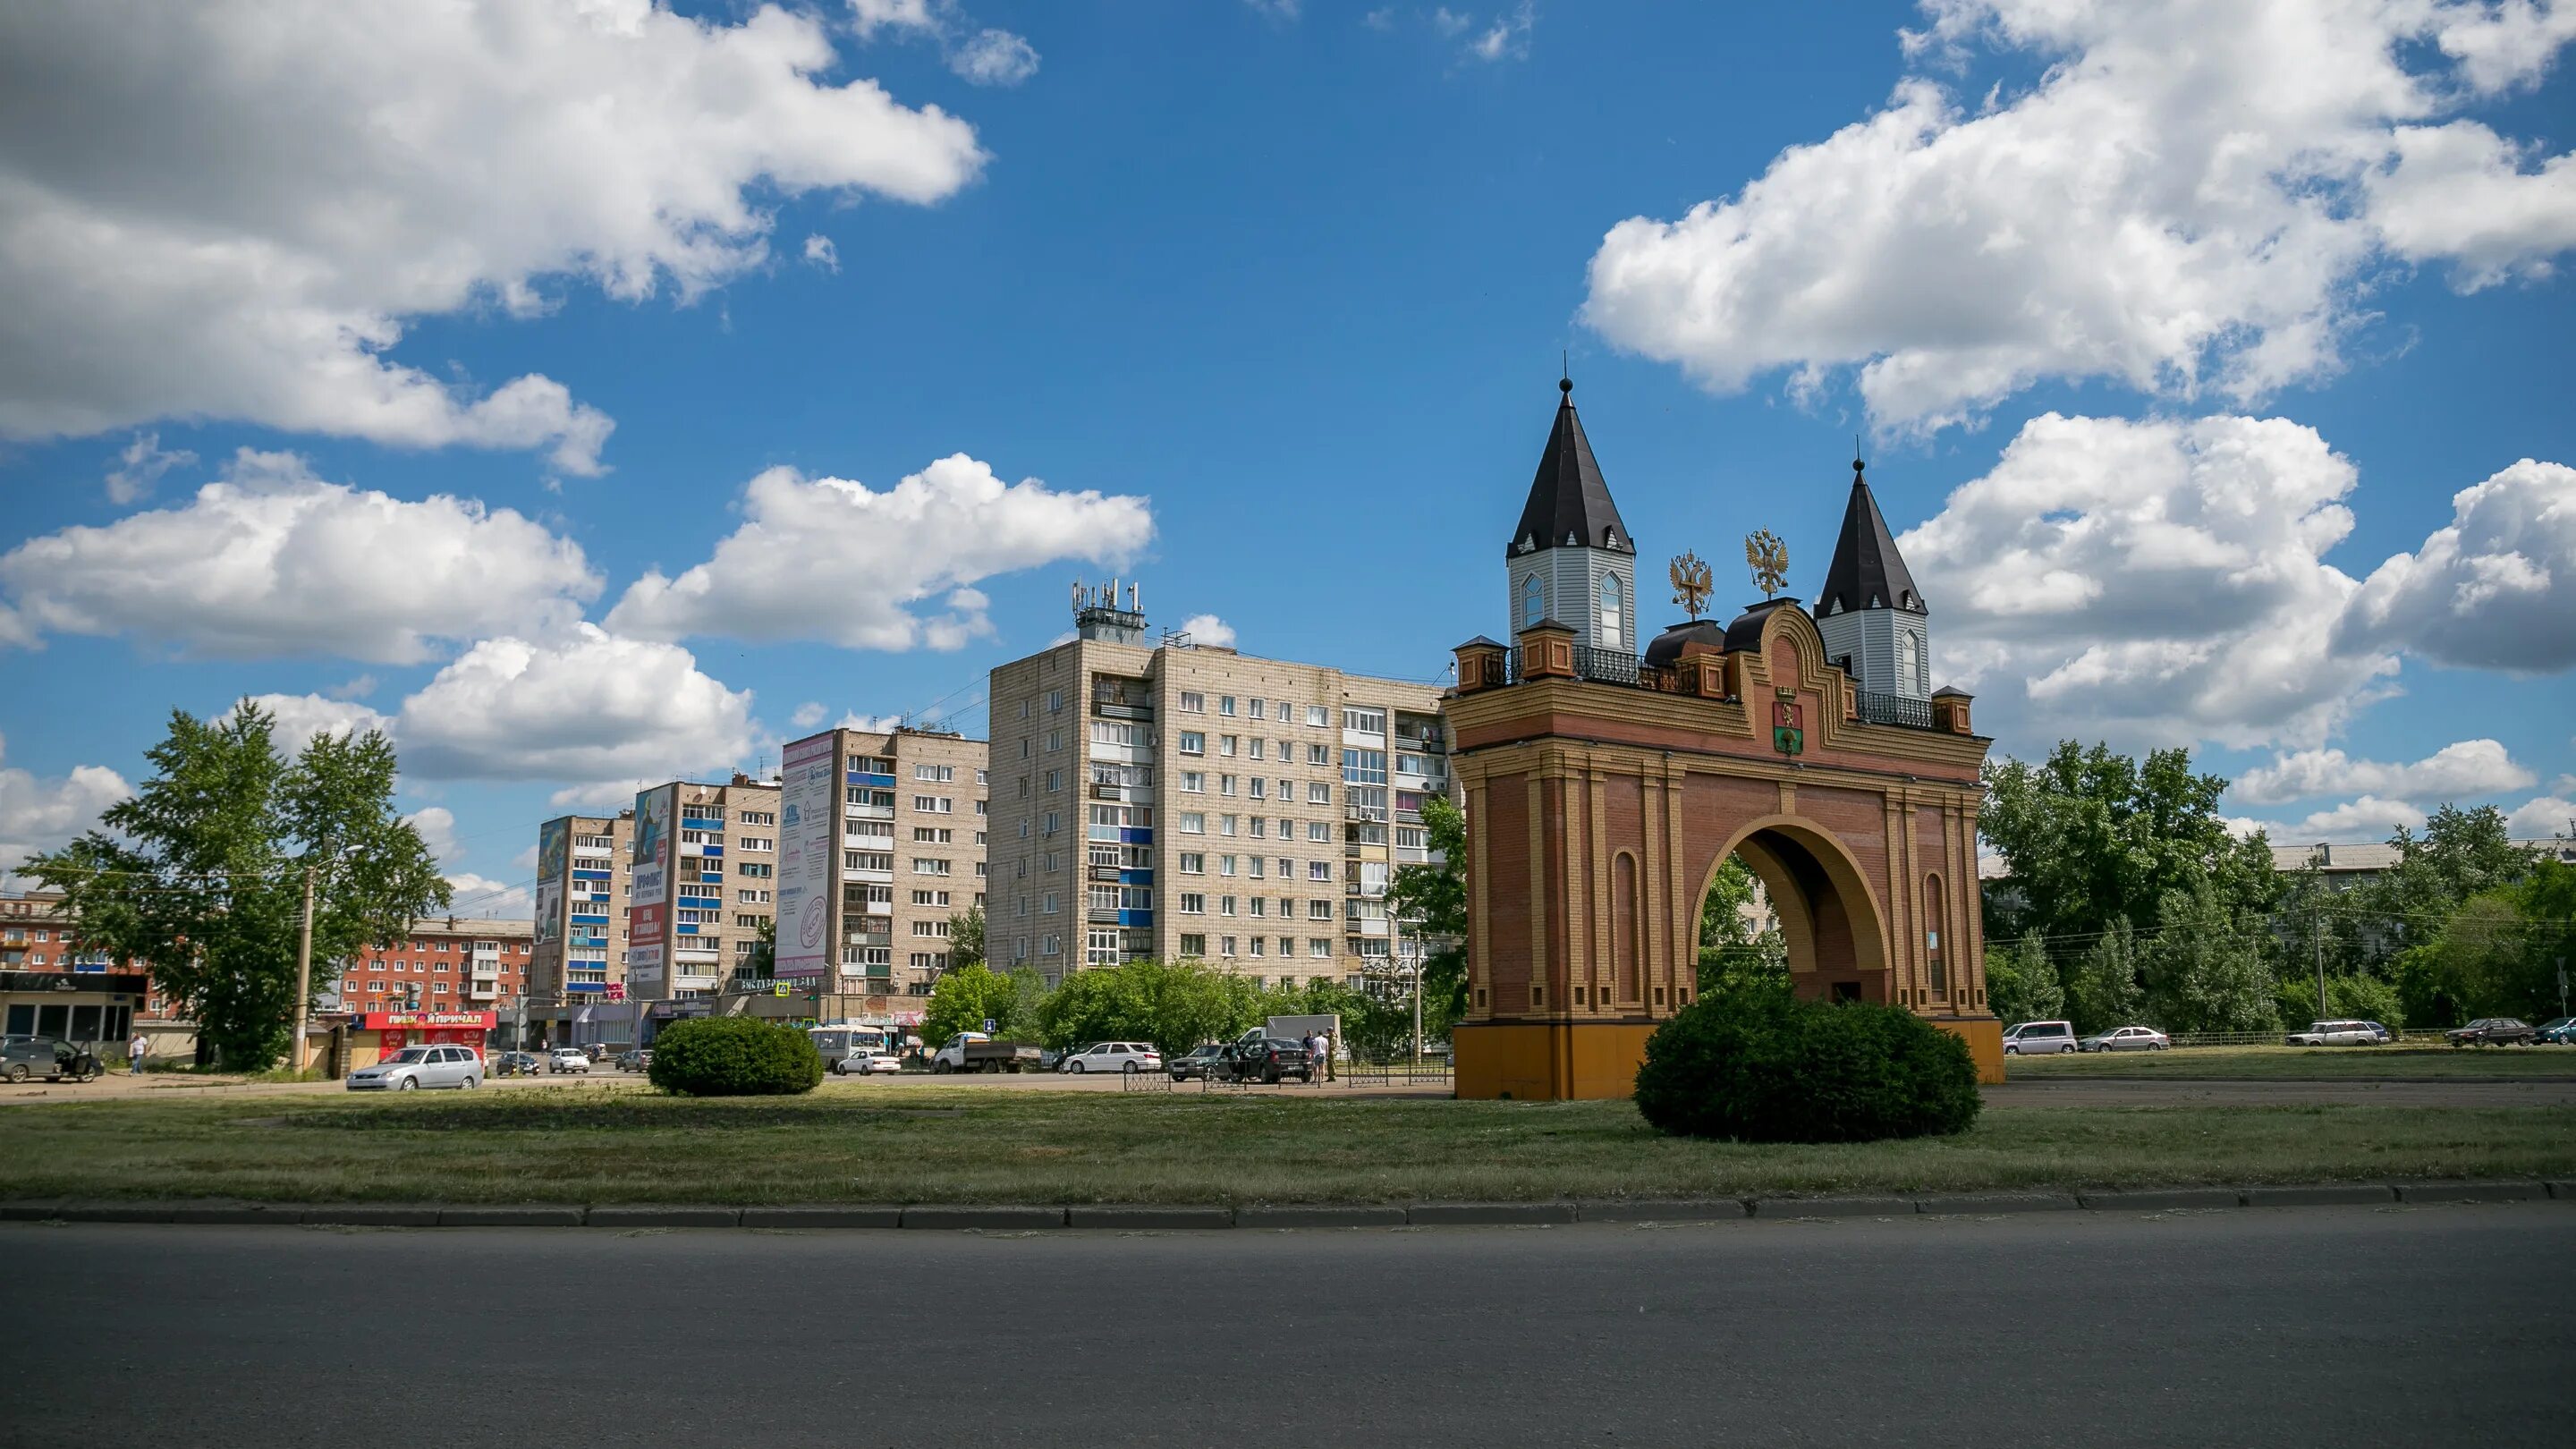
{"points": [[649, 868], [808, 832], [554, 862]]}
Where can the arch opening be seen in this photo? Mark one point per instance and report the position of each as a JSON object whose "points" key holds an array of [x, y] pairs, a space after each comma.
{"points": [[1802, 914]]}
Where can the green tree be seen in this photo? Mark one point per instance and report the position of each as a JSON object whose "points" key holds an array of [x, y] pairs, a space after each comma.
{"points": [[2460, 855], [966, 939], [206, 885], [2091, 838], [2022, 984], [965, 999], [2103, 991], [1378, 1026], [2497, 955], [1732, 955], [1174, 1004], [2204, 969], [1431, 900]]}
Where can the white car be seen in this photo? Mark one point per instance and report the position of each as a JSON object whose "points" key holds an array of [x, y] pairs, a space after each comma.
{"points": [[2126, 1039], [421, 1066], [2338, 1033], [1113, 1056], [860, 1064], [568, 1059]]}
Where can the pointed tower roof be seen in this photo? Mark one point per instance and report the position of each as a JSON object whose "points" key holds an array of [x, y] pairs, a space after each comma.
{"points": [[1568, 498], [1867, 571]]}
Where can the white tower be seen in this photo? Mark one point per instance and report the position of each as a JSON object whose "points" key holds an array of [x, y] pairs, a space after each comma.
{"points": [[1874, 622], [1571, 559]]}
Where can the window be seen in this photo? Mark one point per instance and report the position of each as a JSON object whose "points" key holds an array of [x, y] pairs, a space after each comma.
{"points": [[1364, 767], [932, 835], [1225, 824], [1319, 910], [1260, 786], [1193, 703], [1260, 824], [1533, 601], [1285, 711], [929, 865], [1319, 947], [1193, 823], [1259, 709], [1319, 870], [1193, 782], [1228, 744], [1365, 721], [1319, 755], [1319, 717], [1193, 863], [1319, 831], [1318, 793], [1193, 904], [1260, 864], [930, 898], [1225, 946], [930, 928], [935, 774], [1193, 742], [1225, 905], [1193, 945], [1225, 704], [1610, 611], [1225, 784], [1906, 660], [1258, 745], [1225, 864]]}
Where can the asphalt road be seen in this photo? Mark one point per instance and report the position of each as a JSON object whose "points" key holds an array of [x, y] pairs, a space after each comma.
{"points": [[2342, 1326]]}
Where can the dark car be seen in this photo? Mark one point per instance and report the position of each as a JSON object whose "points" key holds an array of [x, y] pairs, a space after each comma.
{"points": [[516, 1064], [2491, 1031], [2560, 1031], [1199, 1063], [1256, 1057], [22, 1057]]}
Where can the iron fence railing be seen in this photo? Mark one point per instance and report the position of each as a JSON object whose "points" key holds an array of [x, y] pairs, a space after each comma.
{"points": [[1892, 709]]}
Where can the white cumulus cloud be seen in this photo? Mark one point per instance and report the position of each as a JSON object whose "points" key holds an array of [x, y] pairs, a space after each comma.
{"points": [[977, 54], [2193, 194], [600, 712], [484, 898], [1208, 629], [300, 717], [2495, 589], [140, 465], [2366, 818], [235, 208], [436, 826], [273, 560], [38, 815], [820, 251], [2543, 818], [832, 560], [807, 715], [2467, 769]]}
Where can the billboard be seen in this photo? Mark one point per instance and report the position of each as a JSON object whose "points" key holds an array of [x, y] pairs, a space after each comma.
{"points": [[554, 862], [648, 892], [808, 832]]}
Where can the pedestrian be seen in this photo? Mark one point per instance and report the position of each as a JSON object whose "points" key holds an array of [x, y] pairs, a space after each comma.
{"points": [[135, 1050], [1315, 1048], [1332, 1072]]}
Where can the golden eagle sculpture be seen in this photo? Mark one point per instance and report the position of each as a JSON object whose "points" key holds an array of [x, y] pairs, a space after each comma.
{"points": [[1691, 586], [1770, 560]]}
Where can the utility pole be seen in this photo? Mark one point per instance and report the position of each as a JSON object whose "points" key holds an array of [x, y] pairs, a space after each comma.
{"points": [[303, 972], [2318, 931]]}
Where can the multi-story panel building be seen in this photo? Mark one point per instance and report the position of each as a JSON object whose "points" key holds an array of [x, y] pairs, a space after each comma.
{"points": [[1165, 800], [580, 947], [895, 853]]}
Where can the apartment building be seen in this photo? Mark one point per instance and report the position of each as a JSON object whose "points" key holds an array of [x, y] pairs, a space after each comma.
{"points": [[1171, 800], [445, 963], [655, 904], [52, 985], [884, 843]]}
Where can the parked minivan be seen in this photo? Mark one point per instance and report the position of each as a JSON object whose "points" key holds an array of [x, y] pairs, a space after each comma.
{"points": [[2039, 1038]]}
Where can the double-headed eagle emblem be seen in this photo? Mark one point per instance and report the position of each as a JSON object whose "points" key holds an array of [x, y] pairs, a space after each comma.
{"points": [[1691, 586], [1770, 560]]}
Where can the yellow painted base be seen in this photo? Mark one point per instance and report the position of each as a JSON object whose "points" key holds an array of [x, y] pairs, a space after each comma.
{"points": [[1596, 1061], [1549, 1062], [1985, 1038]]}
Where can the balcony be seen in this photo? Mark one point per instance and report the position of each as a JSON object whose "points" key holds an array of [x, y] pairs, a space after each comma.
{"points": [[867, 812], [876, 908], [1368, 814], [1114, 709], [1892, 709], [867, 938], [862, 873]]}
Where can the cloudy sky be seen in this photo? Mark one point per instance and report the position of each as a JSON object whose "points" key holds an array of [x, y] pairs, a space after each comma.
{"points": [[590, 392]]}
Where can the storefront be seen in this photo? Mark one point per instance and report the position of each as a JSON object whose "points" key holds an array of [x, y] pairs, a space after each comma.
{"points": [[375, 1035], [85, 1007]]}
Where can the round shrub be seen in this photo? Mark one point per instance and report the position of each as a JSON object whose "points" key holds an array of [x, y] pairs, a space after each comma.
{"points": [[1767, 1067], [734, 1056]]}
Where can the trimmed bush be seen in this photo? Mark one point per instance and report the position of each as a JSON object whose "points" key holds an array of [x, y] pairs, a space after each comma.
{"points": [[734, 1056], [1763, 1066]]}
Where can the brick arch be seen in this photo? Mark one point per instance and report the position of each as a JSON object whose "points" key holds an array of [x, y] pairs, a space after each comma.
{"points": [[1832, 921]]}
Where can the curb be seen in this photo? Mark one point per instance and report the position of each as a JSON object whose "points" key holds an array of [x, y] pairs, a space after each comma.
{"points": [[1196, 1218]]}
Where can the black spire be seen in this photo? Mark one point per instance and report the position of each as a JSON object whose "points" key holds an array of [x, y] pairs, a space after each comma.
{"points": [[1568, 498], [1867, 571]]}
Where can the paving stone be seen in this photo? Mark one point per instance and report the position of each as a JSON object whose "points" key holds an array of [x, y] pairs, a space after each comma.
{"points": [[521, 1215], [1318, 1216], [1693, 1210], [993, 1218], [1833, 1207], [2161, 1199], [372, 1215], [2470, 1191], [822, 1216], [664, 1217], [1487, 1214], [1979, 1203], [2324, 1194], [1137, 1216]]}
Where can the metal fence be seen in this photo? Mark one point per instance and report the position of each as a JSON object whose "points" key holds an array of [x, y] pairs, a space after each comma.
{"points": [[1892, 709]]}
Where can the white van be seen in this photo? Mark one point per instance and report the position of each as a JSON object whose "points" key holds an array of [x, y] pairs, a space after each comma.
{"points": [[2039, 1038]]}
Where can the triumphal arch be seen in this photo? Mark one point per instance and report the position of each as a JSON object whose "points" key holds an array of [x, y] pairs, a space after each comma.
{"points": [[1604, 786]]}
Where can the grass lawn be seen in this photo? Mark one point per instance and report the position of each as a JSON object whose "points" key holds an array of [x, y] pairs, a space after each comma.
{"points": [[859, 1142], [2319, 1064]]}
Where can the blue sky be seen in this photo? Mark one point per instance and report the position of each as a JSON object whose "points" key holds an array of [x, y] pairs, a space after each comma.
{"points": [[2169, 326]]}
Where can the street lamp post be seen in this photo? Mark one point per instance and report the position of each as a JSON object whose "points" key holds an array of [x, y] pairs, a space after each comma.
{"points": [[303, 973]]}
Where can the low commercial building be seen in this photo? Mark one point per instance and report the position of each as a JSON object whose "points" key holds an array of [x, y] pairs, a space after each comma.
{"points": [[51, 985]]}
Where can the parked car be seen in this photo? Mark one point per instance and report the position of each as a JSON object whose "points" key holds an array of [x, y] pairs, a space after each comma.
{"points": [[2039, 1038], [568, 1059], [1198, 1061], [1113, 1056], [2126, 1039], [972, 1051], [516, 1064], [421, 1067], [1257, 1056], [635, 1059], [868, 1063], [49, 1057], [2492, 1031], [2338, 1033], [2561, 1031]]}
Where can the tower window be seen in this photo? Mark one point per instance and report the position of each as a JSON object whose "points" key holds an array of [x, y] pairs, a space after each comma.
{"points": [[1610, 611], [1533, 602], [1908, 658]]}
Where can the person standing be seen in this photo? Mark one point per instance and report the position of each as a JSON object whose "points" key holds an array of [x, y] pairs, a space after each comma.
{"points": [[136, 1048], [1331, 1072], [1314, 1058]]}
